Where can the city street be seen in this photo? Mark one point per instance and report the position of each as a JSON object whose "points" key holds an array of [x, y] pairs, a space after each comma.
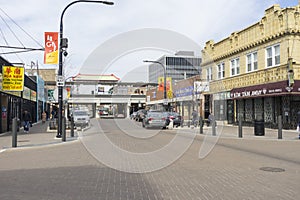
{"points": [[246, 168]]}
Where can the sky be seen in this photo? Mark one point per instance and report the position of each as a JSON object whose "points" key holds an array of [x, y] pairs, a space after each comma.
{"points": [[127, 29]]}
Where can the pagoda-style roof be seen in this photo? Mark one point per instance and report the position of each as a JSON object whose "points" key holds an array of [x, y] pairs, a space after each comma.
{"points": [[96, 77]]}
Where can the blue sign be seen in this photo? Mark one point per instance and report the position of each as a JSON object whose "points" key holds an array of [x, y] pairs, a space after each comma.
{"points": [[186, 91]]}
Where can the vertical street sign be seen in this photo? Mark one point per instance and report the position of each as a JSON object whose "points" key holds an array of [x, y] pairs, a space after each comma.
{"points": [[51, 48]]}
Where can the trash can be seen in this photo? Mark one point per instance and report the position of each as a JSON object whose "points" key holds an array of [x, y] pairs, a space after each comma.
{"points": [[259, 127]]}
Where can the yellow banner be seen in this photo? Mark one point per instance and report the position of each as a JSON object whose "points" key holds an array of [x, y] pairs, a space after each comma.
{"points": [[51, 48], [168, 86], [13, 78]]}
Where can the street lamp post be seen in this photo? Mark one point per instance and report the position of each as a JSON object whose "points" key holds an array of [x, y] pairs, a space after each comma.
{"points": [[165, 79], [62, 46]]}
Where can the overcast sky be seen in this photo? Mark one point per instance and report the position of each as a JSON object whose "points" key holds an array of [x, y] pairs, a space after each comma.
{"points": [[88, 26]]}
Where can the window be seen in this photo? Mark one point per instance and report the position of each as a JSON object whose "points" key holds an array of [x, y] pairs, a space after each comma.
{"points": [[209, 73], [221, 70], [235, 66], [252, 62], [273, 55]]}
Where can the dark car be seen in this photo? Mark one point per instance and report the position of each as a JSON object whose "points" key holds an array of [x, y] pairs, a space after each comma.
{"points": [[176, 117], [140, 115], [154, 120]]}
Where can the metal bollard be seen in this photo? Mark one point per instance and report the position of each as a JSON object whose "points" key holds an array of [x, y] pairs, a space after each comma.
{"points": [[240, 127], [14, 132], [63, 138], [213, 126], [279, 127], [201, 125], [72, 127]]}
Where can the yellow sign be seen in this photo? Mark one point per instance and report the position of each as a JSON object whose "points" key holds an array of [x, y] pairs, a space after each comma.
{"points": [[51, 48], [168, 86], [13, 78]]}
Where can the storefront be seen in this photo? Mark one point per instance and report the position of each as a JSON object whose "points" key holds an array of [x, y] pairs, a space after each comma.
{"points": [[13, 103], [266, 102]]}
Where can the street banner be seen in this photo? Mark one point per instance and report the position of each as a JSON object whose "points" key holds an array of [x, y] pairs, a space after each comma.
{"points": [[51, 48], [168, 86], [12, 78], [160, 83]]}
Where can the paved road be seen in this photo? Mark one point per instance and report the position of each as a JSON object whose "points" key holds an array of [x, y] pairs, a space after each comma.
{"points": [[232, 170]]}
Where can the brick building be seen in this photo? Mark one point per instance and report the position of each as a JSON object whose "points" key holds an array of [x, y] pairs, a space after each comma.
{"points": [[255, 73]]}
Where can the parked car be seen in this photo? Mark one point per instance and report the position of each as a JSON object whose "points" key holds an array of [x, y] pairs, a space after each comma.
{"points": [[140, 115], [154, 120], [176, 117], [81, 118], [103, 111]]}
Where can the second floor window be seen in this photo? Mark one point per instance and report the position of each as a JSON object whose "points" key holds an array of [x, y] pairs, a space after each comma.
{"points": [[273, 55], [252, 62], [209, 73], [221, 70], [235, 66]]}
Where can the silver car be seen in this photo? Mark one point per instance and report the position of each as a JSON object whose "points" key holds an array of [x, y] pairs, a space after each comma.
{"points": [[154, 120], [81, 118]]}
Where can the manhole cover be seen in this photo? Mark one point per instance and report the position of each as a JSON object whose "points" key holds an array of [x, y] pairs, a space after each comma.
{"points": [[272, 169]]}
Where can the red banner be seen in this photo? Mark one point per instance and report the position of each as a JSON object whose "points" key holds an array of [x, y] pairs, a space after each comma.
{"points": [[51, 48]]}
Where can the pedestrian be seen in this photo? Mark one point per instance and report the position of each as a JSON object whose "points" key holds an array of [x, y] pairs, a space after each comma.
{"points": [[27, 120], [298, 125], [53, 113], [210, 117], [195, 118], [47, 115], [44, 117]]}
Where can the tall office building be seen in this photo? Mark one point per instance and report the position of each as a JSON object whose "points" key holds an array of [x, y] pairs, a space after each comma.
{"points": [[182, 65]]}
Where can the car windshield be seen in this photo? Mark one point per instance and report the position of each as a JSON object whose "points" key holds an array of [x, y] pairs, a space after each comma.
{"points": [[174, 114], [80, 113], [155, 114]]}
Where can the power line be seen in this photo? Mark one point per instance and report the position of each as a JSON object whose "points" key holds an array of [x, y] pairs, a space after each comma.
{"points": [[21, 51], [22, 29], [12, 31], [7, 44]]}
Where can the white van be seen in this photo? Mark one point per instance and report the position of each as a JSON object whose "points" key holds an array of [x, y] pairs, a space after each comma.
{"points": [[81, 118]]}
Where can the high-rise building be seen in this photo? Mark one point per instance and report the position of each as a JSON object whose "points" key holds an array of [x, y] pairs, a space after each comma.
{"points": [[184, 64]]}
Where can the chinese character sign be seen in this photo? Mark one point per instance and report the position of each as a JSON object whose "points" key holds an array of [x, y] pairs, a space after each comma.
{"points": [[13, 78], [51, 48]]}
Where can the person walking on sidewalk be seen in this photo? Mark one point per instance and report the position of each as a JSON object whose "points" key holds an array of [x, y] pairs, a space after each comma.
{"points": [[195, 118], [44, 117], [27, 120], [298, 125]]}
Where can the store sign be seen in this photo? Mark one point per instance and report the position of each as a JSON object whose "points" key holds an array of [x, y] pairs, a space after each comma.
{"points": [[186, 91], [51, 95], [261, 90], [12, 78], [201, 86]]}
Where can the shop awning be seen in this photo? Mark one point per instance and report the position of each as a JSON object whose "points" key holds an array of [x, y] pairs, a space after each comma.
{"points": [[268, 89]]}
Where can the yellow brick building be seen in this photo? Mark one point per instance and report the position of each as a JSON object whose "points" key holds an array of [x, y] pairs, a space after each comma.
{"points": [[255, 73]]}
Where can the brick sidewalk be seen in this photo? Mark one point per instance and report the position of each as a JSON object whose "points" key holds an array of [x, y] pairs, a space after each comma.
{"points": [[231, 131], [39, 135]]}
